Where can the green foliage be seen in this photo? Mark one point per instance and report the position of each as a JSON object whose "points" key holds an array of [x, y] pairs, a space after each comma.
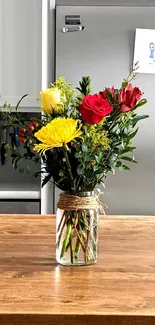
{"points": [[67, 94], [85, 86], [103, 148], [96, 138], [132, 74]]}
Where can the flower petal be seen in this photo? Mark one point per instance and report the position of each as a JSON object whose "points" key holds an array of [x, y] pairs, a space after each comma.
{"points": [[57, 133]]}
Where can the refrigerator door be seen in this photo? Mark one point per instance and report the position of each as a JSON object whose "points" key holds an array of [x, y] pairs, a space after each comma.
{"points": [[104, 51]]}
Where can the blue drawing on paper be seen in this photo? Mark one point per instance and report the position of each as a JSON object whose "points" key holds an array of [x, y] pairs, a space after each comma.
{"points": [[152, 50]]}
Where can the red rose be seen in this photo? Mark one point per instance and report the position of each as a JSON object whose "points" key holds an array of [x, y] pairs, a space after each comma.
{"points": [[94, 108], [103, 93], [129, 97]]}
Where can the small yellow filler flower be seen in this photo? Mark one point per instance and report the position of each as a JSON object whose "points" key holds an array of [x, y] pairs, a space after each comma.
{"points": [[57, 133]]}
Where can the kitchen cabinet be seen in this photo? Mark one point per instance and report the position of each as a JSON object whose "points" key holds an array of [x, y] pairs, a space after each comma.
{"points": [[20, 52], [21, 73], [16, 206]]}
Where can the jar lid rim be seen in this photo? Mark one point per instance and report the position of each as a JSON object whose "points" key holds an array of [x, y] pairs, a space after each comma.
{"points": [[85, 193]]}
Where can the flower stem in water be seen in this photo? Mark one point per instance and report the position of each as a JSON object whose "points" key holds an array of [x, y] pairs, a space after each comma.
{"points": [[67, 238]]}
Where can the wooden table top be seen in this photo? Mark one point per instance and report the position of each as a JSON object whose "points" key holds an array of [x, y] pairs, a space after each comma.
{"points": [[119, 289]]}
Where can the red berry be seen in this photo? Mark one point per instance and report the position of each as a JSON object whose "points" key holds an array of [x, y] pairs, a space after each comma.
{"points": [[22, 140], [30, 127], [35, 124], [22, 131], [21, 134]]}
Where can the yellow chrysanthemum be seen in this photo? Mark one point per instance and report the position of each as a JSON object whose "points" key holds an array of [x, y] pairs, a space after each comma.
{"points": [[57, 133]]}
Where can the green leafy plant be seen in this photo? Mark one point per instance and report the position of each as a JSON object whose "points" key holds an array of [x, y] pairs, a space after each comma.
{"points": [[80, 138], [107, 121]]}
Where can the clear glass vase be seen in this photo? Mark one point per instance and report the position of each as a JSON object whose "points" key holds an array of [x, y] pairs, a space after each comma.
{"points": [[77, 235]]}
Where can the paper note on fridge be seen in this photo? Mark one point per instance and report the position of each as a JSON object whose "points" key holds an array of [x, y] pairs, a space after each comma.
{"points": [[144, 51]]}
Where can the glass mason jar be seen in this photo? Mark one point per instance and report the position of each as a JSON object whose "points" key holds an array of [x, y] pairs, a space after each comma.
{"points": [[77, 234]]}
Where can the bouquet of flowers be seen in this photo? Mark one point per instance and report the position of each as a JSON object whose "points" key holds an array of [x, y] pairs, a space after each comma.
{"points": [[80, 138]]}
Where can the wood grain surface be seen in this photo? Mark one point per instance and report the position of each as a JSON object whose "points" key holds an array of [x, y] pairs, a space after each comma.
{"points": [[118, 290]]}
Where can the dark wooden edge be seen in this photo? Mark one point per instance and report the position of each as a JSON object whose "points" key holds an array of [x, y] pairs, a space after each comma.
{"points": [[22, 319]]}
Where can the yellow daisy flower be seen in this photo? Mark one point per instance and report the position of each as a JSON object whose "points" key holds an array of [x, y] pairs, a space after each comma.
{"points": [[57, 133]]}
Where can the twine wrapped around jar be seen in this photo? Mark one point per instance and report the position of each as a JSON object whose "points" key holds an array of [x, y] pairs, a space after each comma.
{"points": [[74, 202]]}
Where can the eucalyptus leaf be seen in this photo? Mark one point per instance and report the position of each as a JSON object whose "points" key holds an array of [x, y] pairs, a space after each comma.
{"points": [[95, 168], [129, 159], [97, 159], [128, 149], [118, 164], [84, 147], [124, 167], [80, 171], [138, 118], [77, 155], [132, 135]]}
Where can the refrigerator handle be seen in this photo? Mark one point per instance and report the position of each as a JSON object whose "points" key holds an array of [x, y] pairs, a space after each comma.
{"points": [[72, 29]]}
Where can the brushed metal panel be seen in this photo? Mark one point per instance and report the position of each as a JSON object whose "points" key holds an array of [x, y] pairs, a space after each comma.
{"points": [[105, 51]]}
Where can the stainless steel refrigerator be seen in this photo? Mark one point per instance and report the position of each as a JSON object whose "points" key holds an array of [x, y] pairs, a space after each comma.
{"points": [[103, 49]]}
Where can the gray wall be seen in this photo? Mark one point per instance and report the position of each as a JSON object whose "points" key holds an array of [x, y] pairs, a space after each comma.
{"points": [[105, 51], [106, 2]]}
